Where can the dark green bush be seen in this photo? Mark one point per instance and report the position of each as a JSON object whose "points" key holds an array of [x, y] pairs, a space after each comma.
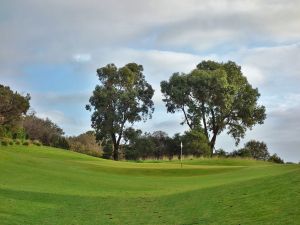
{"points": [[18, 142], [26, 143], [11, 142]]}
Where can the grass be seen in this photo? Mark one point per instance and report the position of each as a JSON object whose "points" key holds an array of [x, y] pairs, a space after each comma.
{"points": [[41, 185]]}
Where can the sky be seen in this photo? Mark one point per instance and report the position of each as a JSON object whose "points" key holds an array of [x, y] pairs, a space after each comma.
{"points": [[52, 48]]}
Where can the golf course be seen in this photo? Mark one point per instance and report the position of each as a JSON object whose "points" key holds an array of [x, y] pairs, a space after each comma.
{"points": [[44, 185]]}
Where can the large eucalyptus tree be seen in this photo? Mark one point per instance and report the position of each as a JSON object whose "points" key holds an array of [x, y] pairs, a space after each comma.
{"points": [[214, 97], [122, 98]]}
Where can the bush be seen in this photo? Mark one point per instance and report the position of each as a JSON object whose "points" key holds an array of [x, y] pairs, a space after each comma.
{"points": [[220, 153], [26, 143], [6, 141], [37, 143], [18, 142]]}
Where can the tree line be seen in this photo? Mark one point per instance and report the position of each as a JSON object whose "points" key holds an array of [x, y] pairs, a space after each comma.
{"points": [[213, 98]]}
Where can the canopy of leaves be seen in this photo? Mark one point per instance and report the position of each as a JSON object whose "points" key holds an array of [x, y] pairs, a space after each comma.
{"points": [[257, 149], [12, 106], [214, 96], [195, 143], [122, 98]]}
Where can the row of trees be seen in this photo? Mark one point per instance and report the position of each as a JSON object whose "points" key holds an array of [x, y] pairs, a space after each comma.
{"points": [[158, 145], [45, 131], [252, 149], [15, 124], [213, 97]]}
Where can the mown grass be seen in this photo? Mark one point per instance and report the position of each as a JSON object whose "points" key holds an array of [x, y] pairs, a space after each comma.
{"points": [[41, 185]]}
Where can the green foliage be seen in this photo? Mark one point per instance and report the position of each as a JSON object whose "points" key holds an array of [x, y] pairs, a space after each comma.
{"points": [[253, 149], [27, 143], [107, 150], [214, 96], [123, 97], [243, 152], [12, 107], [275, 159], [258, 150], [18, 142], [13, 132], [220, 153], [195, 143], [60, 142], [5, 132], [85, 143], [159, 145], [45, 131], [37, 143], [4, 141], [19, 134]]}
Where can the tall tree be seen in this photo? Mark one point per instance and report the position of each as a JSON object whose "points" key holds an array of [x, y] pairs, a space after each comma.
{"points": [[122, 98], [12, 106], [214, 96]]}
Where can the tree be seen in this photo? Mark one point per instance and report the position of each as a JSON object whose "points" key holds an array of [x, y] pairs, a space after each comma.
{"points": [[214, 96], [258, 150], [160, 140], [122, 98], [276, 159], [12, 107]]}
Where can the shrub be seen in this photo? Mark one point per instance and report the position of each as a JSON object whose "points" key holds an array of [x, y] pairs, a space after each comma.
{"points": [[37, 143], [18, 142], [6, 141], [220, 153], [26, 143]]}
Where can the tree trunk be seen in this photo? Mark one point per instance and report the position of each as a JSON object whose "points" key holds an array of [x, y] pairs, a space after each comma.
{"points": [[116, 147], [116, 152], [212, 144], [204, 121]]}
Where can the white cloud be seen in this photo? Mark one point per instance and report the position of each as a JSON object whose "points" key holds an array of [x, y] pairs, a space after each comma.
{"points": [[254, 75], [82, 57]]}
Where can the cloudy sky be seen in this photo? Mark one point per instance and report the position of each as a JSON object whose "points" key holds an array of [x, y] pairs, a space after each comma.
{"points": [[52, 48]]}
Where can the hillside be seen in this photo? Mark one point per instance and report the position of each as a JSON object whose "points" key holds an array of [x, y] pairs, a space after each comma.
{"points": [[41, 185]]}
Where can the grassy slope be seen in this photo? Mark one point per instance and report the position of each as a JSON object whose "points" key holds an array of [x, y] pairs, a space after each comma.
{"points": [[40, 185]]}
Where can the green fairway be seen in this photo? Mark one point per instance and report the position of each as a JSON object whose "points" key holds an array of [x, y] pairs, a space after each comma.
{"points": [[41, 185]]}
